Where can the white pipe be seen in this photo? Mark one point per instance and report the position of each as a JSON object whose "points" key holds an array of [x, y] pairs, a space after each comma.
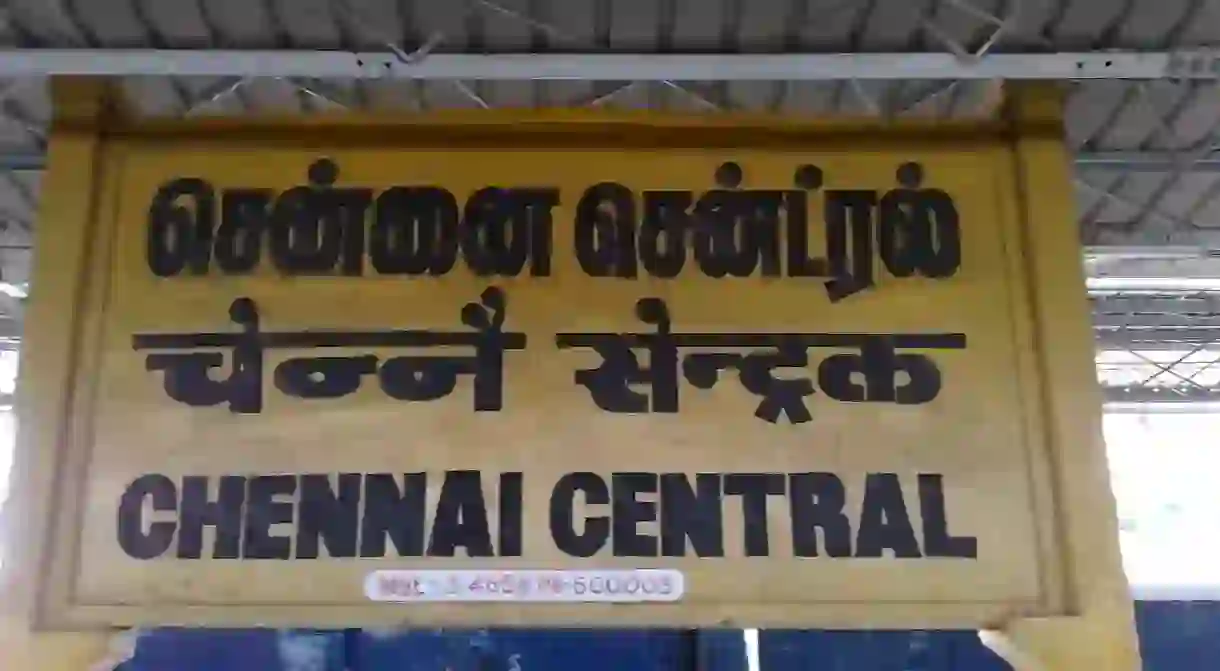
{"points": [[609, 67]]}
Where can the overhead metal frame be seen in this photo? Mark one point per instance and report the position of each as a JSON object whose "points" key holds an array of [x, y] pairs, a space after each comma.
{"points": [[1143, 161], [1158, 349], [617, 67]]}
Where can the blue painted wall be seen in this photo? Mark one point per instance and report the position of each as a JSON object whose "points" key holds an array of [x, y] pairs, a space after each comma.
{"points": [[1176, 636]]}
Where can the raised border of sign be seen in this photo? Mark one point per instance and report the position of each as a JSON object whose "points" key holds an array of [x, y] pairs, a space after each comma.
{"points": [[1080, 556]]}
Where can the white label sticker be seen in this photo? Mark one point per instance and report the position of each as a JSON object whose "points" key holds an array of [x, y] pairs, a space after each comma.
{"points": [[630, 586]]}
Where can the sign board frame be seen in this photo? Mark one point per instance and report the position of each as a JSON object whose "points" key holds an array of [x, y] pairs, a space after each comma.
{"points": [[1080, 556]]}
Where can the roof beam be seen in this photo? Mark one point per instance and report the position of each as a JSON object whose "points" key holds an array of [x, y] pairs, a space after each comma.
{"points": [[1146, 162], [1145, 396], [1119, 323], [1157, 337], [1203, 303], [1126, 235], [1200, 64]]}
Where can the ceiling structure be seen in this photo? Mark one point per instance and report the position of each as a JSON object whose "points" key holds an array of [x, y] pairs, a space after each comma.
{"points": [[1143, 117]]}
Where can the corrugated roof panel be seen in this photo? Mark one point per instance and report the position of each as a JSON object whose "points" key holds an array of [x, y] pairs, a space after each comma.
{"points": [[891, 26]]}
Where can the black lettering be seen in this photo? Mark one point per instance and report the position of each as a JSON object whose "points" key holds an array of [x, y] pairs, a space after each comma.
{"points": [[180, 237], [918, 229], [807, 178], [511, 514], [735, 230], [414, 231], [800, 264], [225, 513], [264, 511], [605, 231], [495, 233], [715, 236], [691, 512], [461, 517], [884, 522], [307, 230], [849, 244], [754, 488], [945, 257], [630, 511], [188, 375], [245, 216], [872, 375], [898, 241], [817, 501], [938, 542], [611, 383], [328, 515], [538, 204], [596, 532], [323, 377], [779, 397], [664, 231], [350, 208], [760, 229], [318, 228], [399, 514], [136, 540], [923, 379]]}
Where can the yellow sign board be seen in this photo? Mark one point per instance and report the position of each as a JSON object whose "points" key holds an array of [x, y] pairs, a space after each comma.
{"points": [[543, 377]]}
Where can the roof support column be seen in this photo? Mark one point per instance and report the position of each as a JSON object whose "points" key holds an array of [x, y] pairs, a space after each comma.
{"points": [[74, 150], [1098, 630]]}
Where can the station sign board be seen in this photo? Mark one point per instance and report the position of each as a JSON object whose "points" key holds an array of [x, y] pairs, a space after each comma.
{"points": [[516, 382]]}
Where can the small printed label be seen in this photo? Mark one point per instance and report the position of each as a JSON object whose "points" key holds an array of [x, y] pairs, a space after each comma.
{"points": [[630, 586]]}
